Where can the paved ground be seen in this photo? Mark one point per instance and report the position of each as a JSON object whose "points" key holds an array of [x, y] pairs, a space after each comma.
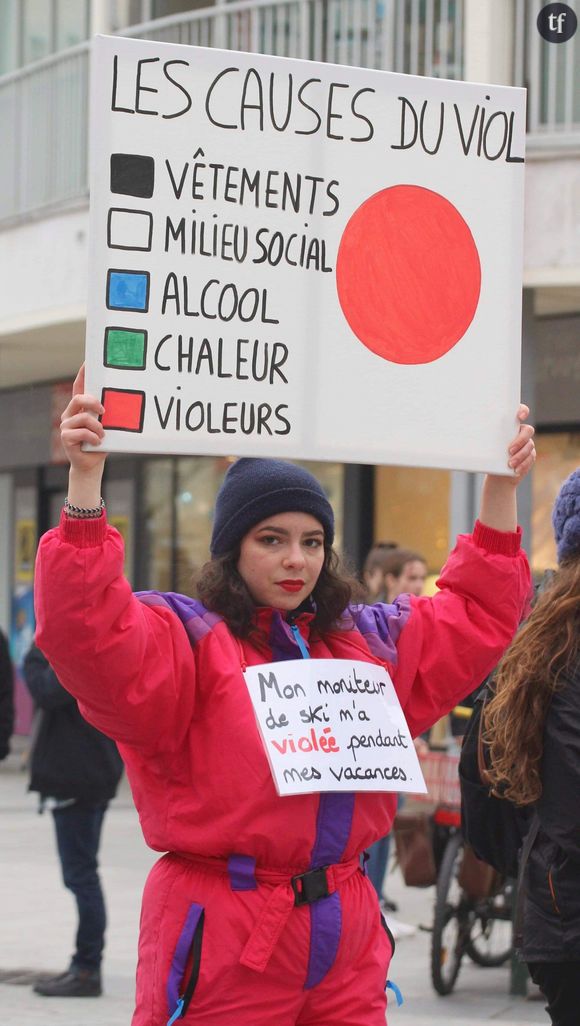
{"points": [[37, 923]]}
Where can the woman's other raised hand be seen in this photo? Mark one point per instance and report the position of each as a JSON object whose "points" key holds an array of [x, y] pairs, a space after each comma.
{"points": [[521, 450], [498, 500], [78, 424]]}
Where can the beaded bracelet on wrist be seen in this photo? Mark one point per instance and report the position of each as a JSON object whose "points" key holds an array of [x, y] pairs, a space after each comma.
{"points": [[82, 512]]}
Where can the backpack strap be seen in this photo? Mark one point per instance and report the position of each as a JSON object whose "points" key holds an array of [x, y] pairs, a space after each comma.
{"points": [[518, 931]]}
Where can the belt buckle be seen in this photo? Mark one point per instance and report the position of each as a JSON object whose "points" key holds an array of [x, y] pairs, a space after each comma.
{"points": [[310, 886]]}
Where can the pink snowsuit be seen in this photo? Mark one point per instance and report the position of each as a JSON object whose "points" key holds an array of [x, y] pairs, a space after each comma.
{"points": [[232, 932]]}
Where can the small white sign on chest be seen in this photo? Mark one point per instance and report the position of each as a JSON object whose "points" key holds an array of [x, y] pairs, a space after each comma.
{"points": [[333, 725]]}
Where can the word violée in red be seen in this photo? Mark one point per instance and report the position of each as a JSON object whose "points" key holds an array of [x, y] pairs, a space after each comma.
{"points": [[310, 742]]}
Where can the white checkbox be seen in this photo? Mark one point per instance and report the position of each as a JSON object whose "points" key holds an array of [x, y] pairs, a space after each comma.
{"points": [[129, 229]]}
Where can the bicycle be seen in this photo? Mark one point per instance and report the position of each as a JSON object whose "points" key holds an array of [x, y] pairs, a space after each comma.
{"points": [[473, 904]]}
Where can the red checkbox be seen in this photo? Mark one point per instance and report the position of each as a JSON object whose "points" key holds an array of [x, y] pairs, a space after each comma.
{"points": [[124, 409]]}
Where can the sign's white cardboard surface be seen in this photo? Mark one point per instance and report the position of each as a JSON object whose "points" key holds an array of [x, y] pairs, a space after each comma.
{"points": [[303, 260]]}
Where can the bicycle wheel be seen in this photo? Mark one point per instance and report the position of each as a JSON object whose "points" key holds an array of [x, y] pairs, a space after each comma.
{"points": [[451, 922], [490, 940]]}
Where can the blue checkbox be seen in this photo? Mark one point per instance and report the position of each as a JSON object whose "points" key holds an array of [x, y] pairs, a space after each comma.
{"points": [[128, 290]]}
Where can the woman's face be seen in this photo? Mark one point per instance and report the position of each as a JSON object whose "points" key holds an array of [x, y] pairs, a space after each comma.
{"points": [[281, 559], [411, 581]]}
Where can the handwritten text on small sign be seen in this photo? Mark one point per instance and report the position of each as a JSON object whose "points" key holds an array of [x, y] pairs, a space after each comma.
{"points": [[333, 725]]}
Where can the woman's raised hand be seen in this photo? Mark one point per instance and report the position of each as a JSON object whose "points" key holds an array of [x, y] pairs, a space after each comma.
{"points": [[79, 424], [521, 450], [498, 499]]}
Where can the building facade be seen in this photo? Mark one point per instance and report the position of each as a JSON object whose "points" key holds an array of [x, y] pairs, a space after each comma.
{"points": [[163, 505]]}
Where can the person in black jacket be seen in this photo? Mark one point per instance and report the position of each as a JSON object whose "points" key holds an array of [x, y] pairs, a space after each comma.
{"points": [[532, 726], [6, 697], [76, 771]]}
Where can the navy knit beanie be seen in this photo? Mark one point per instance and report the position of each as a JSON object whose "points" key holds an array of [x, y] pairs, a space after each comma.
{"points": [[566, 518], [254, 489]]}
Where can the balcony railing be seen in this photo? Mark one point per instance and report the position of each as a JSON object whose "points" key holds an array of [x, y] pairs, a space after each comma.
{"points": [[43, 134], [44, 107], [420, 37]]}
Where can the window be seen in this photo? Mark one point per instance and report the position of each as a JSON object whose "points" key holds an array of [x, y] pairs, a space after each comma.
{"points": [[72, 23], [412, 509], [198, 479], [37, 35], [8, 36], [128, 12], [134, 12], [158, 525], [32, 29]]}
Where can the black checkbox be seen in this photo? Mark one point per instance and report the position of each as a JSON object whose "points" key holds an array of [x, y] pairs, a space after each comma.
{"points": [[132, 174]]}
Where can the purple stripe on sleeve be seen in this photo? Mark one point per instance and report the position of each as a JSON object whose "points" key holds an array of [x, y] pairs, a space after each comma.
{"points": [[181, 955]]}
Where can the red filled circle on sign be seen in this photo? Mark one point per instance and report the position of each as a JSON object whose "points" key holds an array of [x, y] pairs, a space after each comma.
{"points": [[408, 274]]}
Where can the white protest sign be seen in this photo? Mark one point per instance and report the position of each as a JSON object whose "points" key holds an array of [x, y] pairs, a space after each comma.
{"points": [[297, 259], [333, 725]]}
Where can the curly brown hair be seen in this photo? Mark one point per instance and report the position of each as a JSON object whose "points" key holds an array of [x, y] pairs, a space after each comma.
{"points": [[530, 672], [221, 588]]}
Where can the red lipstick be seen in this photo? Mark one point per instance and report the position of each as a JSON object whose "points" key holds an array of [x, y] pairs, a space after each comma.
{"points": [[291, 585]]}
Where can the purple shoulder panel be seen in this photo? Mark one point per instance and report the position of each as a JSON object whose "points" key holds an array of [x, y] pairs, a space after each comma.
{"points": [[152, 598], [381, 625], [197, 620]]}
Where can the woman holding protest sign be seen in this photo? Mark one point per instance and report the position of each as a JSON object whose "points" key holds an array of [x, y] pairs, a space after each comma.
{"points": [[260, 911]]}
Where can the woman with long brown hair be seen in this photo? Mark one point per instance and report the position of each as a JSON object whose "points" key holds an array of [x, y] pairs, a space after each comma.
{"points": [[532, 727]]}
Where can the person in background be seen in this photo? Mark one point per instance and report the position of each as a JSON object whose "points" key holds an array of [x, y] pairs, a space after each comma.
{"points": [[76, 771], [389, 571], [532, 727], [6, 697]]}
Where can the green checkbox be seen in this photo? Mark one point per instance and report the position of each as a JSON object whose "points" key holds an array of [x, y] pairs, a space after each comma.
{"points": [[125, 348]]}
